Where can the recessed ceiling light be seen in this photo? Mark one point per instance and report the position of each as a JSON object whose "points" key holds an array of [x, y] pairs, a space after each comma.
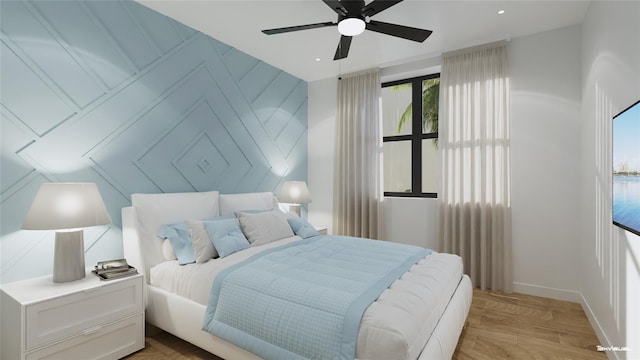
{"points": [[500, 12], [317, 59]]}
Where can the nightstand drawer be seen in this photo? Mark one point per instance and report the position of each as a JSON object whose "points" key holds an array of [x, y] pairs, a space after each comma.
{"points": [[110, 342], [77, 313]]}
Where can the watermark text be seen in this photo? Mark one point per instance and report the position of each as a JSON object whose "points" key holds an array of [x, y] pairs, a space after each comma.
{"points": [[612, 348]]}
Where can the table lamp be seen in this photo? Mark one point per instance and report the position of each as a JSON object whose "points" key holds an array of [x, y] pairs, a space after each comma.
{"points": [[295, 193], [67, 207]]}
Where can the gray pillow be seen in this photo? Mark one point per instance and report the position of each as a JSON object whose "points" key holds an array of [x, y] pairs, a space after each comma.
{"points": [[264, 227], [202, 244]]}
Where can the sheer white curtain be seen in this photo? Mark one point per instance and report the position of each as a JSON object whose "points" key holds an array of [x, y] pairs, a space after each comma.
{"points": [[357, 184], [474, 199]]}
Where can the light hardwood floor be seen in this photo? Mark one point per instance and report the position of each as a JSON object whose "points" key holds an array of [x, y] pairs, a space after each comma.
{"points": [[516, 326], [499, 326]]}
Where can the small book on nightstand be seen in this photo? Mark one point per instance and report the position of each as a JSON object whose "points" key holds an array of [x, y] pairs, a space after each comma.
{"points": [[113, 269]]}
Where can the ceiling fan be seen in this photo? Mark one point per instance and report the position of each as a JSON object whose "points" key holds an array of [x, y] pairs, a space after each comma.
{"points": [[353, 18]]}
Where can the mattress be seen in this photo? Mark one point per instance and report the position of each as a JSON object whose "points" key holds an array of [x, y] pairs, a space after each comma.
{"points": [[397, 325]]}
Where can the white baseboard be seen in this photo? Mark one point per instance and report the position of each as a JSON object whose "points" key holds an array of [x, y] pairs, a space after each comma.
{"points": [[573, 296], [604, 340], [552, 293]]}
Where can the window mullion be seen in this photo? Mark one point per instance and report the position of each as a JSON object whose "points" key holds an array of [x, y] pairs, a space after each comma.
{"points": [[416, 137]]}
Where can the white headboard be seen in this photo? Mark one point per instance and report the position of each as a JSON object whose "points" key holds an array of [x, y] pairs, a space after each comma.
{"points": [[141, 222]]}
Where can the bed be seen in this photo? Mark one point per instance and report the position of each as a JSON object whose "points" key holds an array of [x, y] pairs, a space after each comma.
{"points": [[420, 316]]}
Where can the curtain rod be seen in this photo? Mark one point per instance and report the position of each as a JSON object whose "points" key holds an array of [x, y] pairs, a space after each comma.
{"points": [[358, 73], [486, 46]]}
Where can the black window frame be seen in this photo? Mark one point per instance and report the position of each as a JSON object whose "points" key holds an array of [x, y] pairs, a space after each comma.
{"points": [[416, 137]]}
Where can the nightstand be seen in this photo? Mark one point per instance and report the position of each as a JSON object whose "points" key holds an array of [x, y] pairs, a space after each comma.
{"points": [[321, 230], [87, 318]]}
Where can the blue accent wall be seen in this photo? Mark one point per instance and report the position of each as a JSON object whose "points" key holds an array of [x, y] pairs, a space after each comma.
{"points": [[114, 93]]}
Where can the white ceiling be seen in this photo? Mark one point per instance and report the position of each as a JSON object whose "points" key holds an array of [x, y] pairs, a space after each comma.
{"points": [[455, 25]]}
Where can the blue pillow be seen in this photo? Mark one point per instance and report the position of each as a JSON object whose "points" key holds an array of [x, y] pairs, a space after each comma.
{"points": [[226, 236], [302, 228], [178, 235]]}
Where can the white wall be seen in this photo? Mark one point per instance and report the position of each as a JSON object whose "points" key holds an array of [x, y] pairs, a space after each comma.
{"points": [[544, 72], [545, 110], [610, 257], [566, 85], [412, 221]]}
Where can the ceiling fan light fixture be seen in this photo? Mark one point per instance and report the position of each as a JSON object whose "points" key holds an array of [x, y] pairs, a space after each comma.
{"points": [[354, 17], [351, 26]]}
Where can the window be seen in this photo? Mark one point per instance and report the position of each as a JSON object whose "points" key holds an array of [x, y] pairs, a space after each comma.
{"points": [[410, 136]]}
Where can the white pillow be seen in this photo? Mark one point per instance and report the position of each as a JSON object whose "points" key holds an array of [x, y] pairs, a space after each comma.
{"points": [[167, 250], [265, 227], [202, 245], [230, 203]]}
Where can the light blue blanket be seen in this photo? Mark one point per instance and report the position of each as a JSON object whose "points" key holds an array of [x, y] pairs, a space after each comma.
{"points": [[305, 300]]}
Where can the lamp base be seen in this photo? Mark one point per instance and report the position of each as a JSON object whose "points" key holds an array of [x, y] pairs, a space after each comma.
{"points": [[295, 208], [68, 260]]}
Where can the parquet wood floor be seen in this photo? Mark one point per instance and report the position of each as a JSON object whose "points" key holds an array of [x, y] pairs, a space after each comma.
{"points": [[516, 326], [499, 326]]}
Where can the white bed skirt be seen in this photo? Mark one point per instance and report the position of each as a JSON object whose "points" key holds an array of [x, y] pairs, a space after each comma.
{"points": [[444, 339], [183, 318]]}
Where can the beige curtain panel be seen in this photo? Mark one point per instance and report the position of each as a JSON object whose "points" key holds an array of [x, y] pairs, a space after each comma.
{"points": [[357, 183], [474, 199]]}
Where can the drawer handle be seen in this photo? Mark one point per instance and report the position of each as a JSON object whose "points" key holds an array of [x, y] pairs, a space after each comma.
{"points": [[92, 330]]}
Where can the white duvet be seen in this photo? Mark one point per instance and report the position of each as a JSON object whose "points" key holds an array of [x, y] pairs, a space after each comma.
{"points": [[396, 326]]}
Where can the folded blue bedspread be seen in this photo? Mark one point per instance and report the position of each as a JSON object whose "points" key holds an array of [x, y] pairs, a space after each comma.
{"points": [[305, 300]]}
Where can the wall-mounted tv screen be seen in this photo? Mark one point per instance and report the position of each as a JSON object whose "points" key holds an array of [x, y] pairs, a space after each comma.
{"points": [[626, 169]]}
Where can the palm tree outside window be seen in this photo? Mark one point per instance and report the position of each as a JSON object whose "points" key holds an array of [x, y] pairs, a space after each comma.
{"points": [[410, 136]]}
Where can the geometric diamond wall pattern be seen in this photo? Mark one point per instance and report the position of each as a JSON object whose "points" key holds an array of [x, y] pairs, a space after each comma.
{"points": [[114, 93]]}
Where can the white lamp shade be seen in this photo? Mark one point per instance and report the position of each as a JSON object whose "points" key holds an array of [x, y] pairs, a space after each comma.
{"points": [[66, 206], [294, 192]]}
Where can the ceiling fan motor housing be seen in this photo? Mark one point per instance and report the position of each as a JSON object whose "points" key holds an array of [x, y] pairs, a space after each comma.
{"points": [[353, 7]]}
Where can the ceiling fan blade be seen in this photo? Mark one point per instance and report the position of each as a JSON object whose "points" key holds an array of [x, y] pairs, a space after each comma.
{"points": [[336, 6], [298, 28], [343, 47], [377, 6], [401, 31]]}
